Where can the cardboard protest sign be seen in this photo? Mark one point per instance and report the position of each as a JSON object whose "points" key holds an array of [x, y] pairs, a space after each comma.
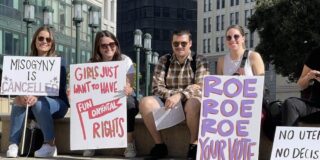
{"points": [[230, 118], [39, 76], [98, 105], [296, 143]]}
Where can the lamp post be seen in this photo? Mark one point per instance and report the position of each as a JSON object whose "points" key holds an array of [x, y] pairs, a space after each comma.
{"points": [[29, 19], [93, 22], [77, 19], [137, 46], [147, 47], [152, 60], [47, 16]]}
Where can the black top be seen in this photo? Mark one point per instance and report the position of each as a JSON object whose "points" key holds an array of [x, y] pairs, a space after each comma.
{"points": [[313, 62]]}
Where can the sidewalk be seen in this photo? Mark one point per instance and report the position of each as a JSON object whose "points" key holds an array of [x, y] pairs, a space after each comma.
{"points": [[71, 157]]}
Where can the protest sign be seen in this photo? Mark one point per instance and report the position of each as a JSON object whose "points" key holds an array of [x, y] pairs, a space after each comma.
{"points": [[230, 118], [296, 143], [38, 76], [98, 105]]}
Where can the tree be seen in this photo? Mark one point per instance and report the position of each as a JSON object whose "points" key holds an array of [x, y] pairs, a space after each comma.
{"points": [[288, 31]]}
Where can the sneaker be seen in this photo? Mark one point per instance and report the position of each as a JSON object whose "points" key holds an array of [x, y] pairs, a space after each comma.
{"points": [[192, 152], [46, 150], [159, 151], [130, 151], [12, 151], [88, 153]]}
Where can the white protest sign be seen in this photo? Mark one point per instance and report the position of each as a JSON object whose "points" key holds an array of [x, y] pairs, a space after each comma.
{"points": [[230, 118], [98, 105], [39, 76], [292, 143], [165, 118]]}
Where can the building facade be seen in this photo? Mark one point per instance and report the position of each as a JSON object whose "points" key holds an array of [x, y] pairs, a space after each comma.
{"points": [[157, 17], [13, 36]]}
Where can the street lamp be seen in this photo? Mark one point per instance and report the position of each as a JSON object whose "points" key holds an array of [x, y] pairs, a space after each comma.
{"points": [[93, 22], [28, 18], [77, 19], [47, 16], [137, 46], [147, 47]]}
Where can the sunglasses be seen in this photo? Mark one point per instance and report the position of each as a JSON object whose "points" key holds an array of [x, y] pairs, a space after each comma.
{"points": [[111, 45], [41, 39], [235, 37], [177, 44]]}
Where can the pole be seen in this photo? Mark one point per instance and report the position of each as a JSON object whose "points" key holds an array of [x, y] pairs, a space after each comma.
{"points": [[93, 32], [137, 72], [77, 42], [148, 54], [28, 38], [24, 129]]}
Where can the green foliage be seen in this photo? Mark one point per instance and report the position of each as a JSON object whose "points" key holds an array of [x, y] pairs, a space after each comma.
{"points": [[288, 31]]}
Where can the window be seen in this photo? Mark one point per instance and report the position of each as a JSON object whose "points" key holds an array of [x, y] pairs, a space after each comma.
{"points": [[166, 12], [231, 18], [209, 24], [231, 3], [112, 16], [204, 25], [246, 1], [11, 43], [204, 46], [246, 16], [217, 44], [218, 4], [251, 40], [209, 7], [217, 23], [209, 46], [222, 3], [180, 13], [237, 17], [222, 22], [205, 6], [156, 11], [222, 43], [156, 34], [237, 2]]}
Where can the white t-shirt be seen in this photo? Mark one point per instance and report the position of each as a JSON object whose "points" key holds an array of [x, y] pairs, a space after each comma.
{"points": [[231, 66], [129, 64]]}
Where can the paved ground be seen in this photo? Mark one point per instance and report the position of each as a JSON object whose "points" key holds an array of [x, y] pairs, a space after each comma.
{"points": [[78, 157]]}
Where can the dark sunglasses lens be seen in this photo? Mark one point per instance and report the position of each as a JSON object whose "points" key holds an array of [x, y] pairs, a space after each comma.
{"points": [[176, 44], [236, 36], [184, 44], [229, 38], [112, 44], [40, 39], [48, 40]]}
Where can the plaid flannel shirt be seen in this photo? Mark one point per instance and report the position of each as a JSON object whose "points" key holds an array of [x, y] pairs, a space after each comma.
{"points": [[179, 78]]}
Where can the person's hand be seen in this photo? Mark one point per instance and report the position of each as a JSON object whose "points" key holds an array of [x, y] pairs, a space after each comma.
{"points": [[31, 100], [128, 90], [313, 74], [172, 101]]}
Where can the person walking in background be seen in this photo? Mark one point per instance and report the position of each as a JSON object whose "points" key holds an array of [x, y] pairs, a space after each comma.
{"points": [[171, 85], [293, 109], [229, 64], [43, 108], [107, 48]]}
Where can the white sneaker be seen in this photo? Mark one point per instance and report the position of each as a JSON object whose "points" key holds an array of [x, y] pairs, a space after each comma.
{"points": [[130, 151], [88, 153], [46, 151], [12, 151]]}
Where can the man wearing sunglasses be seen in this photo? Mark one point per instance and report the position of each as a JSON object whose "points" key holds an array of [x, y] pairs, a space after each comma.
{"points": [[171, 85]]}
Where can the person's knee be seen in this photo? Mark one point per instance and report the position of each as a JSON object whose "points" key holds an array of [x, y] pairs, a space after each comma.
{"points": [[145, 103], [192, 106], [289, 105]]}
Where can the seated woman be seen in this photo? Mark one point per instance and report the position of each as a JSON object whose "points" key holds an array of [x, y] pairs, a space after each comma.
{"points": [[43, 108]]}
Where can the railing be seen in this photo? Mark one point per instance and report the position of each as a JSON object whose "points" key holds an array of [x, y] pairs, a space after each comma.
{"points": [[10, 12]]}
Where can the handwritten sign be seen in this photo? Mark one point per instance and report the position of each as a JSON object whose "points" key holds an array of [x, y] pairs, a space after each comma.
{"points": [[296, 143], [230, 118], [98, 105], [31, 76]]}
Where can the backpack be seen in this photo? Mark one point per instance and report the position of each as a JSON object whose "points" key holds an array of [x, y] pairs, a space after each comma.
{"points": [[193, 65]]}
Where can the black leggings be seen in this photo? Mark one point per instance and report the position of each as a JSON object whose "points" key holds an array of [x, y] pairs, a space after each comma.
{"points": [[132, 111]]}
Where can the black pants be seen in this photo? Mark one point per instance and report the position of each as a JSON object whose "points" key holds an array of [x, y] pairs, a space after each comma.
{"points": [[132, 111], [295, 109]]}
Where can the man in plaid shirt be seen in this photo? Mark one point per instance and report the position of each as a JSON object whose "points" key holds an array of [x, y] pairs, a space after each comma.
{"points": [[180, 83]]}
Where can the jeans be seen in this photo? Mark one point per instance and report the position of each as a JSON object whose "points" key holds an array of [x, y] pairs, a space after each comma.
{"points": [[294, 109], [132, 111], [44, 111]]}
